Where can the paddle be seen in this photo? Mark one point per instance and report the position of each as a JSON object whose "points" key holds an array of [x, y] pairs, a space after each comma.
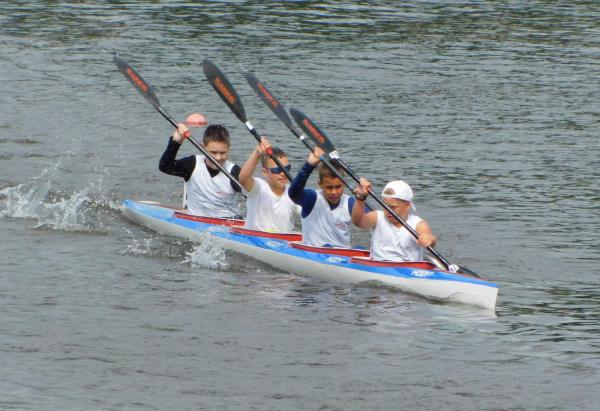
{"points": [[146, 90], [266, 96], [261, 91], [226, 91], [322, 141]]}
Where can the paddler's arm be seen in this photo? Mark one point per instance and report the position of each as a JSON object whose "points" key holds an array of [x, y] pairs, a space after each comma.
{"points": [[297, 193], [247, 172], [183, 167], [235, 173], [426, 237], [360, 218]]}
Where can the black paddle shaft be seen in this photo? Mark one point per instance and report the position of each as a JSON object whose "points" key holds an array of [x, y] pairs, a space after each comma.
{"points": [[231, 98], [146, 90]]}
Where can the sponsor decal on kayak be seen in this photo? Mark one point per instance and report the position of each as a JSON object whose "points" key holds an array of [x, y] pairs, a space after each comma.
{"points": [[335, 259], [421, 273], [274, 244]]}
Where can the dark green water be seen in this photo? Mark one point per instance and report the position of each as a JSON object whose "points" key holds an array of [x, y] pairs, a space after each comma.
{"points": [[489, 110]]}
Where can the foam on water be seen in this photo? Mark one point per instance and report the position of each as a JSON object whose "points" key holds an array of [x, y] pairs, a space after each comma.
{"points": [[54, 209], [24, 200], [209, 254]]}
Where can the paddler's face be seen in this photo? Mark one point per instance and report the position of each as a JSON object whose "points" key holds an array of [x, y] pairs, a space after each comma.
{"points": [[333, 188], [277, 180], [400, 207], [220, 152]]}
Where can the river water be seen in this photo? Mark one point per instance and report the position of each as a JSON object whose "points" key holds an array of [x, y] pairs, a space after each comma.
{"points": [[488, 109]]}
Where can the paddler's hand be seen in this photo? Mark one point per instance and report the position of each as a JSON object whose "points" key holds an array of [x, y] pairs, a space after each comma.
{"points": [[315, 156], [264, 145], [427, 240], [178, 135], [362, 191]]}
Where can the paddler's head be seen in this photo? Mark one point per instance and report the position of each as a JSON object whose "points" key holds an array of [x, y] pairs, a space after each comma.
{"points": [[398, 196], [274, 175], [216, 142], [332, 186]]}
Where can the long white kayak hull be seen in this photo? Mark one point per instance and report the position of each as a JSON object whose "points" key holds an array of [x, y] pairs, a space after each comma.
{"points": [[429, 283]]}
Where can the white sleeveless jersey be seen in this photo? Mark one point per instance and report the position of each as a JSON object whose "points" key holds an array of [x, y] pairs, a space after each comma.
{"points": [[392, 243], [267, 211], [210, 196], [326, 226]]}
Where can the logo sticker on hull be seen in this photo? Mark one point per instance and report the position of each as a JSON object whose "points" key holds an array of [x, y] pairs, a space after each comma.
{"points": [[421, 273], [274, 244]]}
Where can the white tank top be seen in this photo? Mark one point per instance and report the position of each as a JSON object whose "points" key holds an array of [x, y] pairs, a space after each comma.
{"points": [[210, 196], [267, 211], [326, 226], [392, 243]]}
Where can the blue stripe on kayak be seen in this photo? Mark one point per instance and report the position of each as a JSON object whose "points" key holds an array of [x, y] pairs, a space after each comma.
{"points": [[281, 246]]}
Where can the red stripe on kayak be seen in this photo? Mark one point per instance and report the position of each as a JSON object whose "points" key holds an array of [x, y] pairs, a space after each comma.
{"points": [[267, 234], [210, 220], [348, 252], [405, 264]]}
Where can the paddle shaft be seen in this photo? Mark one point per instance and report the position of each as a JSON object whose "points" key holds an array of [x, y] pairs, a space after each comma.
{"points": [[145, 90], [229, 95]]}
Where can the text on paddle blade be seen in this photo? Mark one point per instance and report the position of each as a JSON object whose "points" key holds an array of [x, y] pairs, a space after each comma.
{"points": [[137, 80], [224, 91]]}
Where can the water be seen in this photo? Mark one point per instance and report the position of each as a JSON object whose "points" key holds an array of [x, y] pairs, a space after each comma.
{"points": [[489, 110]]}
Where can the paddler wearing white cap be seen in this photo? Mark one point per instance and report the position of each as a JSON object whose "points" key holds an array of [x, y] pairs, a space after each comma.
{"points": [[208, 192], [390, 241]]}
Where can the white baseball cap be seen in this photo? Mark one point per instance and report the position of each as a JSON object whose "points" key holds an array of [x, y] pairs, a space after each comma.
{"points": [[400, 190]]}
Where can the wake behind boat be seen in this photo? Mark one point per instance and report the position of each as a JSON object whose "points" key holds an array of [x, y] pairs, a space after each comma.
{"points": [[285, 252]]}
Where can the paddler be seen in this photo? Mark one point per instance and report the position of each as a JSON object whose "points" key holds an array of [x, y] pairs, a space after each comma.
{"points": [[390, 240], [208, 192], [269, 208], [326, 212]]}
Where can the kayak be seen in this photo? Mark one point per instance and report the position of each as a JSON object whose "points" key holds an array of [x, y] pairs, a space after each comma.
{"points": [[286, 252]]}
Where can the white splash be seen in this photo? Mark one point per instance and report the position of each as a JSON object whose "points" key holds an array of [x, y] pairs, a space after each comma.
{"points": [[23, 201], [208, 253], [139, 247], [67, 214], [39, 200]]}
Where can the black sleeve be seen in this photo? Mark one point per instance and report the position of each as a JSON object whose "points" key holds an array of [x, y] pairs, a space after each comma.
{"points": [[184, 167], [235, 172]]}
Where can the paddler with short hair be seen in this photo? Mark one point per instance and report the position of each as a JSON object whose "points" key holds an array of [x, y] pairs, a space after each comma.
{"points": [[326, 212], [390, 240], [208, 192], [269, 208]]}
